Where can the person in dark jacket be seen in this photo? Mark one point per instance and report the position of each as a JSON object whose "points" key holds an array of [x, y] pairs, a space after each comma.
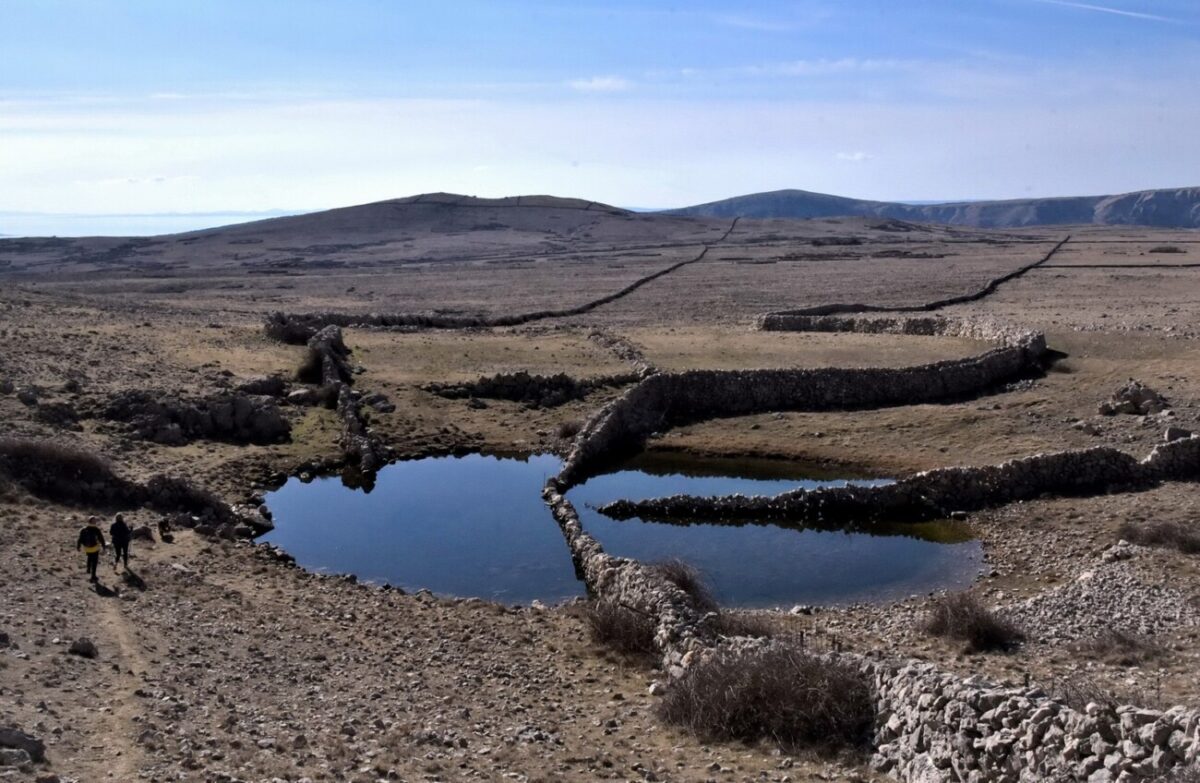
{"points": [[121, 536], [91, 541]]}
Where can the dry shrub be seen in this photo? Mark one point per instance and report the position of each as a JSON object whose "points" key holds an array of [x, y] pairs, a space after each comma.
{"points": [[1167, 535], [628, 632], [757, 625], [61, 472], [1119, 648], [782, 694], [569, 429], [309, 370], [1079, 691], [688, 579], [963, 617]]}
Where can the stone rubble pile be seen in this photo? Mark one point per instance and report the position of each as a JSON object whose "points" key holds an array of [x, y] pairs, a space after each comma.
{"points": [[1109, 597], [1134, 398], [935, 726]]}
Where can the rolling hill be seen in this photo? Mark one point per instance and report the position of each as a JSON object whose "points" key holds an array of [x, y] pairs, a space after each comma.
{"points": [[1169, 208]]}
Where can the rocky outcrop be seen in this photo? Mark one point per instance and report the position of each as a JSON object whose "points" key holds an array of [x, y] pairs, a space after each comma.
{"points": [[535, 391], [173, 421]]}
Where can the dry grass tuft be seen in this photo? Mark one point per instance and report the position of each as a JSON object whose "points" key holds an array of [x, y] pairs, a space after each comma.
{"points": [[781, 694], [963, 617], [688, 579], [1118, 648], [1167, 535], [621, 629], [745, 624], [569, 429]]}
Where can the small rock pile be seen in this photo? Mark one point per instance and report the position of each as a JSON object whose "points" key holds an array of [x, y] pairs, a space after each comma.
{"points": [[1134, 398]]}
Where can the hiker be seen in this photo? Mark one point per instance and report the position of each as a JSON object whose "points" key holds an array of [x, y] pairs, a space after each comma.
{"points": [[121, 536], [91, 541]]}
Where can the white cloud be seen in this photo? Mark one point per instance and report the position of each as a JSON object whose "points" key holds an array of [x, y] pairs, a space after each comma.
{"points": [[854, 157], [601, 84]]}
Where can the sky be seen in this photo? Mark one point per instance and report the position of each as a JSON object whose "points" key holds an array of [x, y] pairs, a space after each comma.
{"points": [[236, 108]]}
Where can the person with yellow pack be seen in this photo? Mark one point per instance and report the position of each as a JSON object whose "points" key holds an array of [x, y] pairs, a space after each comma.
{"points": [[91, 541]]}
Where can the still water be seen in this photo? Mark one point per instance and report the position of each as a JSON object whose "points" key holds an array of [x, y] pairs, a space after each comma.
{"points": [[476, 526]]}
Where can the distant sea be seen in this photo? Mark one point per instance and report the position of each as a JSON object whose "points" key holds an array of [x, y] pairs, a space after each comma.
{"points": [[35, 224]]}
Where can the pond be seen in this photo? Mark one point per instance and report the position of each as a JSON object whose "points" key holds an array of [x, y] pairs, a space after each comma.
{"points": [[476, 526]]}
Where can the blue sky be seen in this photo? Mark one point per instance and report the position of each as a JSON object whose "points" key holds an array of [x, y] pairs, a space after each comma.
{"points": [[143, 106]]}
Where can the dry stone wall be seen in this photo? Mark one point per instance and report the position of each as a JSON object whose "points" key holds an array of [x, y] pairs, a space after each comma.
{"points": [[934, 726], [667, 400], [535, 391]]}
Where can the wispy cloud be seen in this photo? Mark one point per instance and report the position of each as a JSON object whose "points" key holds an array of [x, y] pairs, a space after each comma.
{"points": [[752, 23], [854, 157], [1104, 9], [601, 84]]}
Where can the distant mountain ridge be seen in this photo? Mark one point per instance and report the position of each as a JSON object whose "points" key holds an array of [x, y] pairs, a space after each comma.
{"points": [[1167, 208]]}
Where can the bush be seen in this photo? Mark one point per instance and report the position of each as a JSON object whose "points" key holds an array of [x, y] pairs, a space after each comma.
{"points": [[961, 616], [781, 694], [1168, 535], [569, 429], [757, 625], [62, 472], [688, 579], [1121, 649], [621, 629], [1079, 691]]}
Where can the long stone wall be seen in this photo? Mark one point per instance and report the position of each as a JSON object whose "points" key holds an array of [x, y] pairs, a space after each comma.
{"points": [[667, 400], [298, 327]]}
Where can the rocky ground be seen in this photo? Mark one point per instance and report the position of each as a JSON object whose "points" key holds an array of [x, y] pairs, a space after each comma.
{"points": [[218, 662]]}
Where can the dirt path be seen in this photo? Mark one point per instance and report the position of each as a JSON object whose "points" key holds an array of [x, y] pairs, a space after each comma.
{"points": [[118, 739]]}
